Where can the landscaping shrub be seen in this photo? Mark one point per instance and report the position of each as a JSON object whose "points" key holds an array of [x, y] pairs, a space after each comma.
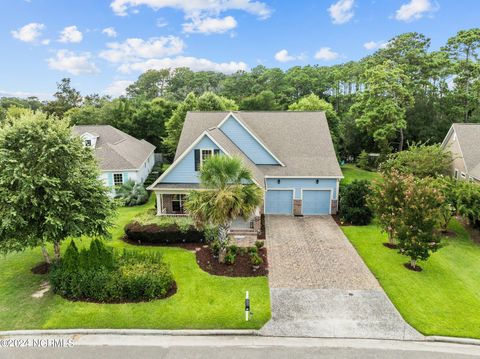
{"points": [[259, 244], [131, 194], [468, 201], [256, 259], [363, 161], [353, 203], [148, 228], [101, 275]]}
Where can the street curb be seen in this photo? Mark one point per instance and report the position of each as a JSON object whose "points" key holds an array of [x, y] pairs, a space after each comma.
{"points": [[453, 340], [213, 332], [186, 332]]}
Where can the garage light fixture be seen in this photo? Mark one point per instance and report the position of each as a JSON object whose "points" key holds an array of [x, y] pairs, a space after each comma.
{"points": [[278, 181], [317, 180]]}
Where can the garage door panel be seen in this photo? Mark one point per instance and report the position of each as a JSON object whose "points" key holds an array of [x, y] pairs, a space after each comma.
{"points": [[279, 202], [316, 202]]}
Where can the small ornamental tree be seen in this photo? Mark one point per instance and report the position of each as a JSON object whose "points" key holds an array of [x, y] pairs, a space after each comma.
{"points": [[448, 209], [353, 203], [468, 201], [49, 186], [420, 160], [418, 218], [385, 200]]}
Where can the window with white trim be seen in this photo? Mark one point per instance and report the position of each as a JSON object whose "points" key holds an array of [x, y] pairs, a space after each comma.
{"points": [[117, 179], [463, 175], [177, 203], [88, 143], [455, 174], [204, 154]]}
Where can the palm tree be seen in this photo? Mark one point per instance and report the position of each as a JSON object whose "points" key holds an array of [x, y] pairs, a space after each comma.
{"points": [[228, 193]]}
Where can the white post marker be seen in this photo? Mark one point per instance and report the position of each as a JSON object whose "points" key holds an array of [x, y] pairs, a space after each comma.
{"points": [[247, 306]]}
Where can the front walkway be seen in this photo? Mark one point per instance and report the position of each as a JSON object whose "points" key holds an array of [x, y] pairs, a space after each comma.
{"points": [[320, 286]]}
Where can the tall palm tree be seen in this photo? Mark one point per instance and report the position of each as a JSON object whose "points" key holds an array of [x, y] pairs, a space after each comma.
{"points": [[228, 193]]}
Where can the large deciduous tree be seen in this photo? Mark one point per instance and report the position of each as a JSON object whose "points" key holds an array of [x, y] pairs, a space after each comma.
{"points": [[380, 109], [150, 84], [229, 193], [49, 186]]}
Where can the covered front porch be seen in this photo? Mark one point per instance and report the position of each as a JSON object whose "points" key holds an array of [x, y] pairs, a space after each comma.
{"points": [[170, 199]]}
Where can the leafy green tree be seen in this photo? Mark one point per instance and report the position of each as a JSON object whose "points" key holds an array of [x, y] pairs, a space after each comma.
{"points": [[49, 186], [85, 115], [420, 160], [264, 101], [463, 50], [230, 193], [184, 81], [418, 219], [66, 98], [380, 109], [150, 84]]}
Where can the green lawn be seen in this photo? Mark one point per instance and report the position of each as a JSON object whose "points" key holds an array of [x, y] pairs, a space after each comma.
{"points": [[351, 172], [202, 301], [444, 299]]}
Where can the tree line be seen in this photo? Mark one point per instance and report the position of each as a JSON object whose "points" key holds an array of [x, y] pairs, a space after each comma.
{"points": [[403, 93]]}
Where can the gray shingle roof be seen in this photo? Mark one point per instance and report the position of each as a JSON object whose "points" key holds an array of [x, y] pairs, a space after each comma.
{"points": [[115, 150], [301, 140], [468, 136]]}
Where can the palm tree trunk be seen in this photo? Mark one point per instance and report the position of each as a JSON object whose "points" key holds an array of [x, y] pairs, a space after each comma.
{"points": [[223, 231], [45, 254], [413, 263]]}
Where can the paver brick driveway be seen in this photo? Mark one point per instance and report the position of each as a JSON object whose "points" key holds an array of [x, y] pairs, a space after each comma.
{"points": [[320, 287], [312, 252]]}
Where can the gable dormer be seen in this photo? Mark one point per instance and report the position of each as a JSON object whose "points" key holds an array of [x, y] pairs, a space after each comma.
{"points": [[89, 139], [247, 141]]}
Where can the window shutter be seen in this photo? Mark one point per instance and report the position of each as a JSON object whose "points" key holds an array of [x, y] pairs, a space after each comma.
{"points": [[216, 152], [197, 160]]}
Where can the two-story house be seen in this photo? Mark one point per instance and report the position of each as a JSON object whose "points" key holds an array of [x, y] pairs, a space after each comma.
{"points": [[290, 154]]}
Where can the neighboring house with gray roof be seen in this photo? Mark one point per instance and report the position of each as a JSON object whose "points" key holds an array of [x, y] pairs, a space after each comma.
{"points": [[290, 155], [120, 156], [463, 140]]}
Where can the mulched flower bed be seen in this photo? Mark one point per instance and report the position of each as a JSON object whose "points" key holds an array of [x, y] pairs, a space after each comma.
{"points": [[409, 267], [336, 218], [41, 268], [241, 268]]}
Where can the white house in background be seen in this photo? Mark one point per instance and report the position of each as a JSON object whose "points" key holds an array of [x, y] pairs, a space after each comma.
{"points": [[120, 156]]}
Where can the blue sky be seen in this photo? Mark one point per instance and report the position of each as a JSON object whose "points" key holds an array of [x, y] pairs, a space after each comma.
{"points": [[103, 45]]}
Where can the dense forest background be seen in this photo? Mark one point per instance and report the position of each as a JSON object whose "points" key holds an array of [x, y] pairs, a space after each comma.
{"points": [[404, 93]]}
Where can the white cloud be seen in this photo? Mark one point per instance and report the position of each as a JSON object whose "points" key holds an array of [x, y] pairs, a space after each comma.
{"points": [[161, 22], [118, 88], [373, 45], [70, 34], [210, 25], [414, 10], [284, 56], [134, 49], [72, 63], [194, 63], [326, 54], [29, 32], [195, 7], [46, 42], [341, 12], [109, 31]]}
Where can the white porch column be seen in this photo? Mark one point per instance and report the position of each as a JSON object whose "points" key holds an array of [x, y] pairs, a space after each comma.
{"points": [[159, 203]]}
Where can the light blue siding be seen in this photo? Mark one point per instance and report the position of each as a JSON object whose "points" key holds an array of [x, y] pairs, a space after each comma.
{"points": [[298, 183], [278, 202], [316, 202], [247, 143], [110, 179], [184, 171]]}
